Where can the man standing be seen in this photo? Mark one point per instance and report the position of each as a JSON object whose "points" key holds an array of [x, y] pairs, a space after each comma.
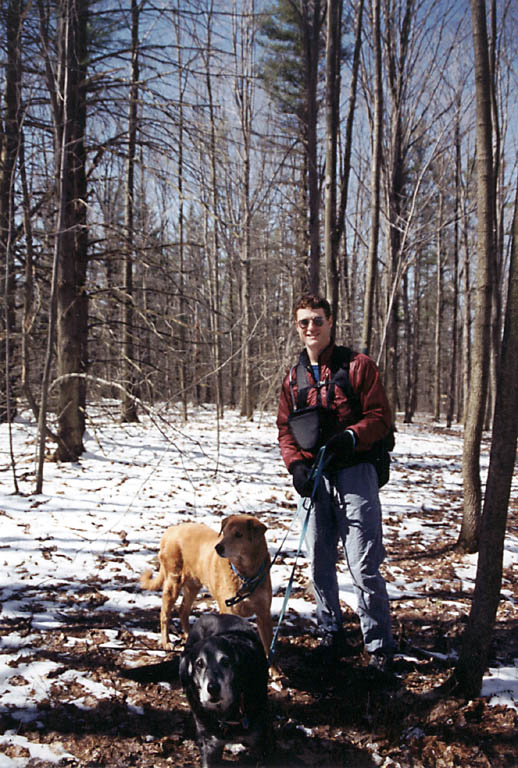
{"points": [[346, 502]]}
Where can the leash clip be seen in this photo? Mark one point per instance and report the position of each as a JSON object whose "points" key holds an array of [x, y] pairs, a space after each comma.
{"points": [[250, 584]]}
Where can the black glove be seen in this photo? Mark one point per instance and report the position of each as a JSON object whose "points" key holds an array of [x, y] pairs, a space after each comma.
{"points": [[341, 445], [301, 473]]}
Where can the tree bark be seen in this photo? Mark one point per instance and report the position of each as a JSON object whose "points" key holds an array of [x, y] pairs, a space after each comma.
{"points": [[466, 317], [438, 315], [128, 363], [377, 138], [455, 299], [182, 303], [332, 100], [469, 534], [244, 100], [344, 269], [476, 643], [72, 301], [499, 205], [311, 31], [9, 143], [397, 66], [413, 334], [215, 314]]}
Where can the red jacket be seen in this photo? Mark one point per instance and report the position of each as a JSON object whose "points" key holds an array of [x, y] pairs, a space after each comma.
{"points": [[365, 380]]}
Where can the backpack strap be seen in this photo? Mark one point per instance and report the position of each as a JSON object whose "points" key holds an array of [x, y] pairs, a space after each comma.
{"points": [[292, 387], [339, 365], [303, 384], [299, 374]]}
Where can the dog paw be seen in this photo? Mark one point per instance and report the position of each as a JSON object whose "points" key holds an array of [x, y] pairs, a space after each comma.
{"points": [[277, 678]]}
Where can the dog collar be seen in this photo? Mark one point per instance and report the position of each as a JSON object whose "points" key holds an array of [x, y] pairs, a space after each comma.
{"points": [[225, 725], [243, 723], [249, 583]]}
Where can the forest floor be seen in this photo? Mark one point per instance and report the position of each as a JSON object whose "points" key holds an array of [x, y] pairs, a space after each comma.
{"points": [[328, 718]]}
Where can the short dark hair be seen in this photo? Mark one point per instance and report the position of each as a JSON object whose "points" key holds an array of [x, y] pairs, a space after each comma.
{"points": [[312, 301]]}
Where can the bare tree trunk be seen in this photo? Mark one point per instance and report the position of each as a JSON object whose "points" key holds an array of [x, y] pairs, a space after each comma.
{"points": [[215, 309], [455, 300], [311, 58], [397, 66], [368, 302], [51, 334], [476, 643], [469, 534], [300, 184], [413, 333], [9, 143], [63, 133], [28, 285], [244, 51], [128, 364], [466, 318], [408, 349], [332, 100], [182, 309], [346, 167], [498, 219], [438, 317], [196, 322], [28, 308], [72, 302]]}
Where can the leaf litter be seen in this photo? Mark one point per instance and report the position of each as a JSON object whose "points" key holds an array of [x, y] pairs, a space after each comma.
{"points": [[84, 681]]}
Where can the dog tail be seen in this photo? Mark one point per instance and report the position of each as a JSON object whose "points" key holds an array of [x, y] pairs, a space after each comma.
{"points": [[148, 582]]}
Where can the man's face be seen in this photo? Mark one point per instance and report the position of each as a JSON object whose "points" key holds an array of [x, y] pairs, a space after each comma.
{"points": [[314, 330]]}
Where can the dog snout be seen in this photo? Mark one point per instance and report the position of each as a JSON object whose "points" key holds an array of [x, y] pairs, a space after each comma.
{"points": [[214, 689], [220, 549]]}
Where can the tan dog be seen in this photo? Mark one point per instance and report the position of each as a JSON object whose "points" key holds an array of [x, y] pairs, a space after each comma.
{"points": [[192, 555]]}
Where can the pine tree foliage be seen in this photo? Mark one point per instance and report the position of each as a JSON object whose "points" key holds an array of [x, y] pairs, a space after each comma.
{"points": [[282, 58]]}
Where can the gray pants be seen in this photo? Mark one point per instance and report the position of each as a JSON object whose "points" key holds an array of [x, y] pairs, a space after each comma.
{"points": [[347, 507]]}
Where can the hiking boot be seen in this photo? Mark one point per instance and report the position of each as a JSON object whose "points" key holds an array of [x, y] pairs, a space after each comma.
{"points": [[380, 661], [331, 648], [380, 669]]}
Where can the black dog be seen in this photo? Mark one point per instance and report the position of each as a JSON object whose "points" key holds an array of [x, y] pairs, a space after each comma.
{"points": [[224, 673]]}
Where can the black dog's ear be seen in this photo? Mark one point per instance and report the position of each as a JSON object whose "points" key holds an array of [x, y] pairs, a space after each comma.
{"points": [[165, 671], [185, 670]]}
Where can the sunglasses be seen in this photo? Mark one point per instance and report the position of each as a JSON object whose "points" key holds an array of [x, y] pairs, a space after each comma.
{"points": [[318, 320]]}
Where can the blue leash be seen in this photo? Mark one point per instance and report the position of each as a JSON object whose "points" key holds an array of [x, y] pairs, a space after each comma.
{"points": [[315, 476]]}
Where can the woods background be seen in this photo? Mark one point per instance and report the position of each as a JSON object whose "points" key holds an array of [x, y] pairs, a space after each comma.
{"points": [[172, 176]]}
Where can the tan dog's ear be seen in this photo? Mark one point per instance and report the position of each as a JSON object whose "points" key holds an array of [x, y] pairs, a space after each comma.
{"points": [[223, 524], [256, 528]]}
